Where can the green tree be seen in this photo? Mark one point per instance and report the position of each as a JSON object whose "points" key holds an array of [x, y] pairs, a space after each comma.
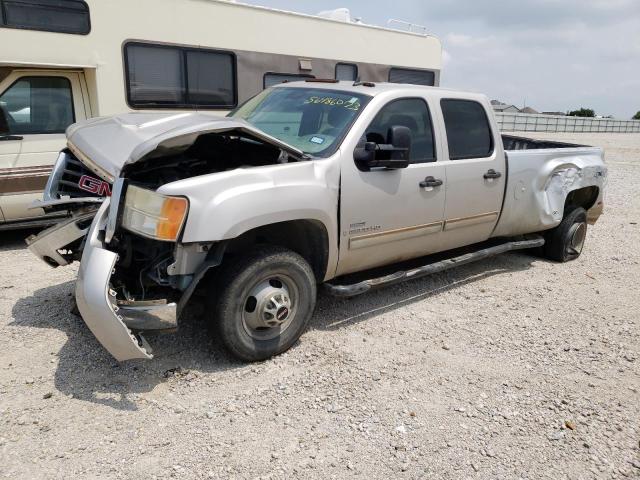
{"points": [[583, 112], [636, 116]]}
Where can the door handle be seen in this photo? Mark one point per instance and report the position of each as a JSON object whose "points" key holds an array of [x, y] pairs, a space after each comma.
{"points": [[430, 182], [5, 138], [492, 174]]}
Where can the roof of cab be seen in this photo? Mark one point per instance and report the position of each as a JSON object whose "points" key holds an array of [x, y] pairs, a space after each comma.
{"points": [[377, 88]]}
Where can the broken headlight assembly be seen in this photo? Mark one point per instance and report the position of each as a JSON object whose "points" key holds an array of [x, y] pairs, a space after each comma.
{"points": [[154, 215]]}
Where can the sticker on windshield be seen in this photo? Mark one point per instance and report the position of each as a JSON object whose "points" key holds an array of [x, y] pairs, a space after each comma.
{"points": [[318, 140], [352, 104]]}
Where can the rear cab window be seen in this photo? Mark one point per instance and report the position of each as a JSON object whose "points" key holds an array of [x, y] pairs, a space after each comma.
{"points": [[468, 130]]}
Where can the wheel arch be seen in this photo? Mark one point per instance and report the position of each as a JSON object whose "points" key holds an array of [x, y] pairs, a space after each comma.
{"points": [[309, 238], [585, 197]]}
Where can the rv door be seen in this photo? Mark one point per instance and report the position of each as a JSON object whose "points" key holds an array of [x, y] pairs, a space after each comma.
{"points": [[38, 105]]}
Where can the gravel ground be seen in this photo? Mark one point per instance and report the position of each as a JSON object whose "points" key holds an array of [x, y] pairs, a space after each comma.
{"points": [[510, 368]]}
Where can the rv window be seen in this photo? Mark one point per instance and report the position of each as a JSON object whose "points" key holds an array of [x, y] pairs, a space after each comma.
{"points": [[415, 77], [37, 105], [160, 76], [210, 78], [62, 16], [468, 131], [346, 71], [271, 79]]}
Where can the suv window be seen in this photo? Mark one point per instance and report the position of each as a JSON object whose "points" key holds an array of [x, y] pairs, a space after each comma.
{"points": [[35, 105], [468, 131], [160, 76], [408, 112], [63, 16]]}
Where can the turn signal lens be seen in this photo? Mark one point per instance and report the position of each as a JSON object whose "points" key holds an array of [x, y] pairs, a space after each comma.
{"points": [[154, 215], [174, 210]]}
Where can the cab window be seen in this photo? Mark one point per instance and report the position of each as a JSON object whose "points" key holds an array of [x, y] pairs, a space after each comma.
{"points": [[412, 113], [468, 131], [38, 105]]}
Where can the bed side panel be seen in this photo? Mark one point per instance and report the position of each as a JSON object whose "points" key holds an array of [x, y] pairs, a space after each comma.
{"points": [[539, 182]]}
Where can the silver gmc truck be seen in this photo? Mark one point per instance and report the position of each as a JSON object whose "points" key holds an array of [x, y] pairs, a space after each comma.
{"points": [[343, 184]]}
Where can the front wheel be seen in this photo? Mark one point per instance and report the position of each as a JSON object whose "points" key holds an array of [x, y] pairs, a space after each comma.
{"points": [[264, 302], [565, 242]]}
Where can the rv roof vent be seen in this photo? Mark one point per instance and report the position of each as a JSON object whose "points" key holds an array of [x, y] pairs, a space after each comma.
{"points": [[339, 14], [408, 26]]}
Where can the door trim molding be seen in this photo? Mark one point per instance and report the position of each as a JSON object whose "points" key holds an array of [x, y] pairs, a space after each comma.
{"points": [[20, 180], [469, 221], [406, 233]]}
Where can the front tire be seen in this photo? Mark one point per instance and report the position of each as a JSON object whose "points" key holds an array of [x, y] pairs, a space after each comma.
{"points": [[264, 302], [565, 242]]}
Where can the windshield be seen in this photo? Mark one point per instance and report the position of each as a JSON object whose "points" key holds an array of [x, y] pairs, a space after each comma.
{"points": [[310, 119]]}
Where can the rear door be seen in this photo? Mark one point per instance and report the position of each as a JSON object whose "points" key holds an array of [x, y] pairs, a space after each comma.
{"points": [[474, 172], [40, 105]]}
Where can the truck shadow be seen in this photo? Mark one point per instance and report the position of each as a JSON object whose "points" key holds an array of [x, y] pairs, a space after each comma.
{"points": [[87, 372], [14, 239], [333, 313]]}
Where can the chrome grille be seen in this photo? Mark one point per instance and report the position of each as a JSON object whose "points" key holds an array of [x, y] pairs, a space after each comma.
{"points": [[65, 179]]}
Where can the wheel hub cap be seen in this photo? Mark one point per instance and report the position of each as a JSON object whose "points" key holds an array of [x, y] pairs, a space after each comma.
{"points": [[577, 234], [269, 308]]}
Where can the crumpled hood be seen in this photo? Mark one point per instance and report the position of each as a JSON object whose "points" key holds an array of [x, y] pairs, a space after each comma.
{"points": [[107, 144]]}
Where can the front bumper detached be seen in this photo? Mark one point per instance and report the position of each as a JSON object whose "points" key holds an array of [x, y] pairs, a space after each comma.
{"points": [[50, 244], [114, 323]]}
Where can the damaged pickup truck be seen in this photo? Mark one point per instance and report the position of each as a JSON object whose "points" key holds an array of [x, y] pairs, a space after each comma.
{"points": [[307, 183]]}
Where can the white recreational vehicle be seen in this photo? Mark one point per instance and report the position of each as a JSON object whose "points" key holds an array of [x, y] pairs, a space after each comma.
{"points": [[62, 61]]}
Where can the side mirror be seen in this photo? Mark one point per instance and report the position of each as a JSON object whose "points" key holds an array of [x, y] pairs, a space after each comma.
{"points": [[393, 154]]}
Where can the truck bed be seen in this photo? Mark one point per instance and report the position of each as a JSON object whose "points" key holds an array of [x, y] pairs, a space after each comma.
{"points": [[541, 173], [512, 142]]}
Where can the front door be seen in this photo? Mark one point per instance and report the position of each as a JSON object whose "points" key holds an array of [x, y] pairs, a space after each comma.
{"points": [[388, 216], [39, 106], [475, 174]]}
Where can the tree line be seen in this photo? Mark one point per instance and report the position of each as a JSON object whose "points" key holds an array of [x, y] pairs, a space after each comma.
{"points": [[590, 113]]}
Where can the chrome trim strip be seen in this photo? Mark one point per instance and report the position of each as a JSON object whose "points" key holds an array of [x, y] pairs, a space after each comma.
{"points": [[371, 239], [469, 221], [50, 192]]}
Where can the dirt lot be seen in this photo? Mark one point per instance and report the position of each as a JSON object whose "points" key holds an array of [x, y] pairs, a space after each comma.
{"points": [[511, 368]]}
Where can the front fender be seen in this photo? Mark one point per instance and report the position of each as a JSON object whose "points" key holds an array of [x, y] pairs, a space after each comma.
{"points": [[224, 205]]}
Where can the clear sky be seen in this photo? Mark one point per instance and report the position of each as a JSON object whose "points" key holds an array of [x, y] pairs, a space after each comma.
{"points": [[556, 55]]}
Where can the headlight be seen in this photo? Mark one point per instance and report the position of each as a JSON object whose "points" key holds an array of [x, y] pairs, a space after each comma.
{"points": [[154, 215]]}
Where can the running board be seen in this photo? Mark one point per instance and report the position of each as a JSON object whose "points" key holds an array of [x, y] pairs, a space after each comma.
{"points": [[401, 276]]}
